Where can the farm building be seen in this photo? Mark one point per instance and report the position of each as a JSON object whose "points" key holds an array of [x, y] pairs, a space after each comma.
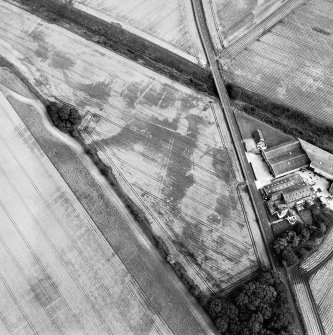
{"points": [[287, 192], [321, 161], [285, 158], [280, 184], [260, 140]]}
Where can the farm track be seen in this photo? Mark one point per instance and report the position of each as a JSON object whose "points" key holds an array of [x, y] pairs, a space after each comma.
{"points": [[233, 44], [239, 44]]}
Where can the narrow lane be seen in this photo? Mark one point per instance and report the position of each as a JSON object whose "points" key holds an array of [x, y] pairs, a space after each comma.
{"points": [[258, 205]]}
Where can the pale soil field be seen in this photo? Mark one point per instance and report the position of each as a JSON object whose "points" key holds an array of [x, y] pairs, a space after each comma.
{"points": [[292, 64], [58, 273], [233, 24], [169, 24], [160, 138], [71, 277]]}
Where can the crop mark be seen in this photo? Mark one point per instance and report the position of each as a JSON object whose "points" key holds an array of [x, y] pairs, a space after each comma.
{"points": [[165, 164], [143, 93], [162, 97], [61, 61]]}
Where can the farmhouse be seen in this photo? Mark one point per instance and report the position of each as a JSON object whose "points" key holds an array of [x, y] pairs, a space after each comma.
{"points": [[321, 160], [286, 192], [285, 158]]}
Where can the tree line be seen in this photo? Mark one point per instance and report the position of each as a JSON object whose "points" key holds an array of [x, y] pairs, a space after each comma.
{"points": [[259, 307], [296, 244]]}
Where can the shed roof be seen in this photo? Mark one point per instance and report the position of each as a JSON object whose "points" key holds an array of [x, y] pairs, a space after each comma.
{"points": [[321, 160], [282, 183], [282, 148], [285, 166]]}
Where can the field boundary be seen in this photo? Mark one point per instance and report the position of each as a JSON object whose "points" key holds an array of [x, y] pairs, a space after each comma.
{"points": [[280, 116], [123, 42]]}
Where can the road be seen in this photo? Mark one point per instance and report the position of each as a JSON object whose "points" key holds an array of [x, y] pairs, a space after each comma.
{"points": [[258, 205], [230, 117]]}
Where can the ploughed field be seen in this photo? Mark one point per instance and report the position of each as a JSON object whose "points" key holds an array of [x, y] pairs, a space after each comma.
{"points": [[321, 287], [58, 273], [234, 24], [169, 24], [312, 285], [292, 63], [306, 304], [160, 138], [314, 290]]}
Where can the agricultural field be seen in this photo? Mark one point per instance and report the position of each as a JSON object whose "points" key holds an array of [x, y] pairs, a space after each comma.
{"points": [[86, 280], [313, 289], [234, 24], [160, 138], [305, 304], [292, 63], [321, 287], [58, 273], [169, 24]]}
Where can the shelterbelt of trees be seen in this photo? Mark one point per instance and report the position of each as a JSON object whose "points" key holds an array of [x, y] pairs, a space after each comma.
{"points": [[258, 308], [297, 243]]}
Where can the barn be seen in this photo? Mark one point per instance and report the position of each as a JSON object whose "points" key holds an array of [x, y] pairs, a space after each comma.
{"points": [[285, 158]]}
